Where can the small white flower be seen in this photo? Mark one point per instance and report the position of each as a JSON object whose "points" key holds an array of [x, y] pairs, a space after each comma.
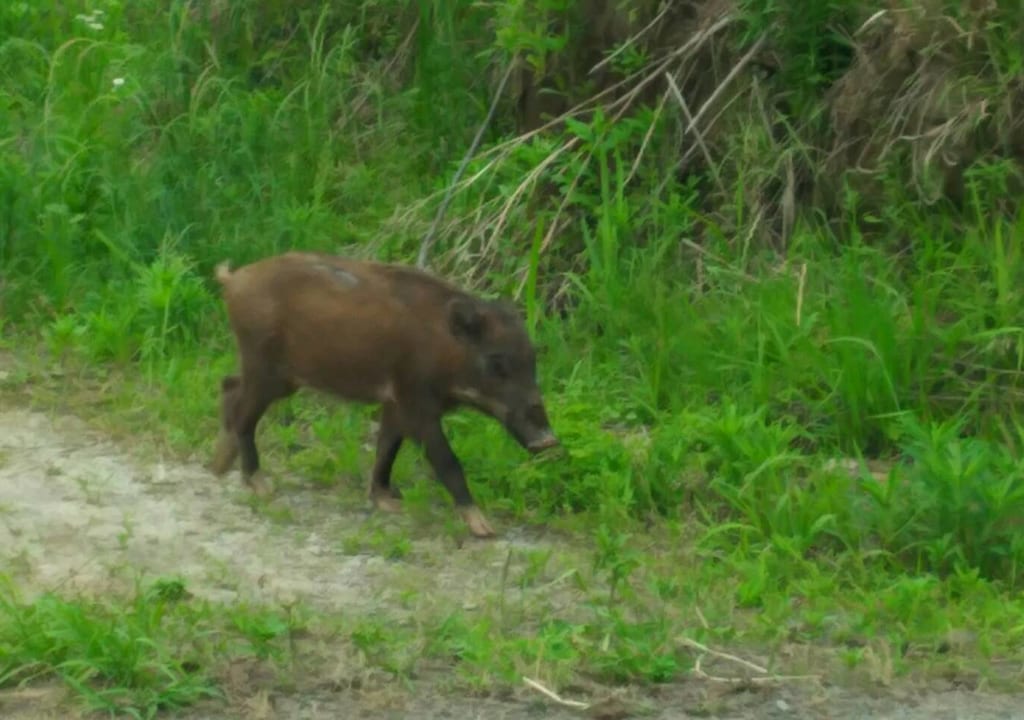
{"points": [[92, 19], [118, 82]]}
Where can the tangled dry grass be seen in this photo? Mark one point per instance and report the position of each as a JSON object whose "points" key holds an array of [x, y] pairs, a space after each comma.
{"points": [[927, 95], [926, 90]]}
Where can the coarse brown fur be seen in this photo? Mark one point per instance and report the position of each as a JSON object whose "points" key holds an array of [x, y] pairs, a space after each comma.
{"points": [[371, 332]]}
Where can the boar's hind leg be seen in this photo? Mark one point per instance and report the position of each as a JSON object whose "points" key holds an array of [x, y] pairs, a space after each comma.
{"points": [[254, 399], [226, 451], [449, 471], [389, 441]]}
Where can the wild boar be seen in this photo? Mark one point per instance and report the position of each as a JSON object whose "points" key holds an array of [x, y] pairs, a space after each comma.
{"points": [[373, 332]]}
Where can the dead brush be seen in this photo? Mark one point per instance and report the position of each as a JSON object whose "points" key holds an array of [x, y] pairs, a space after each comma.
{"points": [[921, 100], [477, 239], [923, 89]]}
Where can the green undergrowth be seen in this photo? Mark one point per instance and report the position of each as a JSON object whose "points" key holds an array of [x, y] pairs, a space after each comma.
{"points": [[642, 612], [714, 525], [154, 650], [879, 422]]}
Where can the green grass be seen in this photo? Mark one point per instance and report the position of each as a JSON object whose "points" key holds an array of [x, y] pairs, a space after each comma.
{"points": [[723, 392], [155, 650]]}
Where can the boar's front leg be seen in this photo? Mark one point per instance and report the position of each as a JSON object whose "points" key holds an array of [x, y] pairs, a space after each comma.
{"points": [[389, 441], [449, 471]]}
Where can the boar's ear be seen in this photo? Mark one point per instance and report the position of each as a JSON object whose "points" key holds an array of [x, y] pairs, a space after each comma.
{"points": [[466, 318]]}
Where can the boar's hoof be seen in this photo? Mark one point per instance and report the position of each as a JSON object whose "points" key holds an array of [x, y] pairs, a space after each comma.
{"points": [[476, 521], [225, 453], [386, 502], [259, 484]]}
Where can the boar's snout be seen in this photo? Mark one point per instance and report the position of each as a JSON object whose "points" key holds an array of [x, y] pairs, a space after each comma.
{"points": [[532, 429], [545, 440]]}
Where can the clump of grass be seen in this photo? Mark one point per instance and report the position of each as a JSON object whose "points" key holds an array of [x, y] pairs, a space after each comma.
{"points": [[131, 659], [158, 650]]}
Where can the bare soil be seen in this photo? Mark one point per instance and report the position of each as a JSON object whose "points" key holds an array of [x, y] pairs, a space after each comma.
{"points": [[80, 513]]}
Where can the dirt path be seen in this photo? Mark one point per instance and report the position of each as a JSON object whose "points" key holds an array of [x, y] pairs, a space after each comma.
{"points": [[77, 512]]}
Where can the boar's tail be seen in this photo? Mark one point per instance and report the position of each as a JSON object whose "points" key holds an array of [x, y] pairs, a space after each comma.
{"points": [[223, 272]]}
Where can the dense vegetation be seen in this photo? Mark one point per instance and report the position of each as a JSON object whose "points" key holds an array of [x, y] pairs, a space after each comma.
{"points": [[771, 249]]}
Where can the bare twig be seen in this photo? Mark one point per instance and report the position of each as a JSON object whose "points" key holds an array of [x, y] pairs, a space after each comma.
{"points": [[639, 80], [554, 697], [694, 149], [530, 179], [706, 105], [696, 41], [557, 223], [623, 104], [704, 252], [789, 204], [504, 579], [645, 29], [421, 260], [401, 51], [725, 83], [503, 149], [692, 123], [647, 138], [753, 228], [723, 655], [870, 21], [763, 677], [800, 293], [757, 680], [364, 97], [690, 46]]}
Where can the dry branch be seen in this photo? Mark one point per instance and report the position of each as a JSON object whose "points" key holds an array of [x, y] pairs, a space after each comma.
{"points": [[631, 41], [623, 104], [647, 138], [692, 123], [554, 697], [531, 178], [421, 260], [725, 83], [504, 149], [800, 293], [762, 677]]}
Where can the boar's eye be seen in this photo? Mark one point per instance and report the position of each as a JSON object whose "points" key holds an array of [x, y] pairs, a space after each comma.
{"points": [[498, 366]]}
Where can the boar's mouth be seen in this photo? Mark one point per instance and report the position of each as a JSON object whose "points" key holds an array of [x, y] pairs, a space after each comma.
{"points": [[542, 440], [531, 437]]}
